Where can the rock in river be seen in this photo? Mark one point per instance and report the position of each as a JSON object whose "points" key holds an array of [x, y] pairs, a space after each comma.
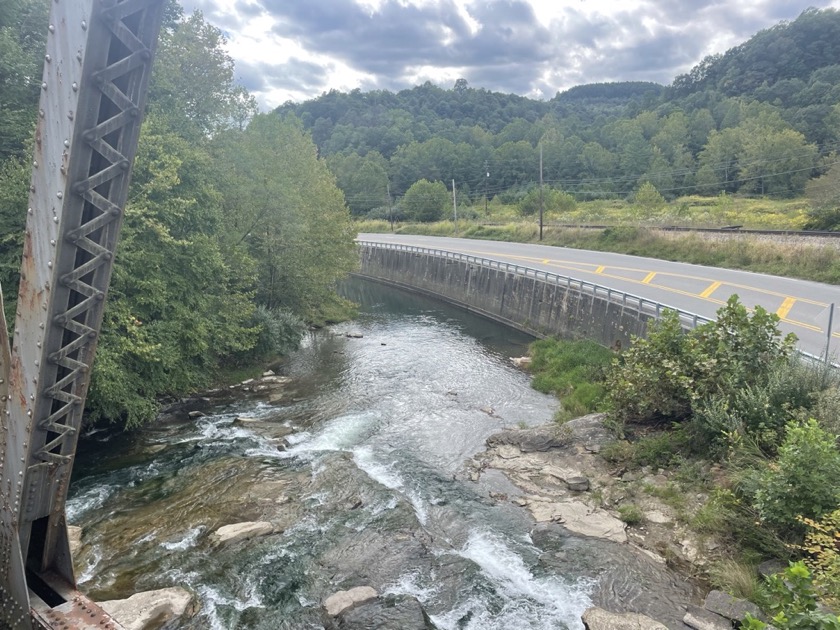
{"points": [[151, 609]]}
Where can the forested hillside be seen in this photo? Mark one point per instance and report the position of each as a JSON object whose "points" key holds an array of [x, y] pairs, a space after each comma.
{"points": [[761, 119], [234, 234]]}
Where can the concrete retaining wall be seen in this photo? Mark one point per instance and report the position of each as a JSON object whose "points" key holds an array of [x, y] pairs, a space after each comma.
{"points": [[535, 302]]}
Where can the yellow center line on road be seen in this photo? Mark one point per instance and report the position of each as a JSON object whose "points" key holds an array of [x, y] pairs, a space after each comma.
{"points": [[706, 295], [710, 289], [784, 309]]}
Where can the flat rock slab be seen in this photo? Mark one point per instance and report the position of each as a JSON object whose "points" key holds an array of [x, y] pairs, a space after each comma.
{"points": [[580, 518], [702, 619], [387, 613], [600, 619], [342, 601], [151, 609], [241, 531], [731, 607]]}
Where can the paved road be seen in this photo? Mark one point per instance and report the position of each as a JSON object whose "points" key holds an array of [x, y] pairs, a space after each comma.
{"points": [[802, 306]]}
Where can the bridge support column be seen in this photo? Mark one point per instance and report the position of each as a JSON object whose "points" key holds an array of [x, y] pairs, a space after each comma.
{"points": [[96, 72]]}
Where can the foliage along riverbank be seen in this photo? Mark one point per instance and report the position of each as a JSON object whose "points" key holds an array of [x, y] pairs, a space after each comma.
{"points": [[730, 414], [235, 233]]}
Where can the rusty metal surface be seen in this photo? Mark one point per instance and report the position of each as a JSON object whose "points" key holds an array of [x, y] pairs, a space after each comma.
{"points": [[77, 613], [96, 72]]}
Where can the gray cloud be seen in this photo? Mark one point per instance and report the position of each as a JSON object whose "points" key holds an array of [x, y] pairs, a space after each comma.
{"points": [[512, 51]]}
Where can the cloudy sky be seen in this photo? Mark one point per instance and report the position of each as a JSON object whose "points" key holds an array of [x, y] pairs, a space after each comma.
{"points": [[297, 49]]}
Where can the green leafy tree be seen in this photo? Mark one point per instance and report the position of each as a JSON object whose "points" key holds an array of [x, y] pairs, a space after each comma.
{"points": [[425, 201], [281, 202]]}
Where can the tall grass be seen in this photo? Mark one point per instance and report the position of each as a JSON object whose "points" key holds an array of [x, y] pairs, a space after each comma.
{"points": [[571, 370]]}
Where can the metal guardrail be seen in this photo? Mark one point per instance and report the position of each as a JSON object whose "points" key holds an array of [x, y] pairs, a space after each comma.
{"points": [[642, 305]]}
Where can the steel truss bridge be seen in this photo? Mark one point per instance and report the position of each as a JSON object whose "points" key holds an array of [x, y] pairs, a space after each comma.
{"points": [[96, 73]]}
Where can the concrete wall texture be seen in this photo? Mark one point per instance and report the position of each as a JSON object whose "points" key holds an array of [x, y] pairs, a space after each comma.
{"points": [[537, 303]]}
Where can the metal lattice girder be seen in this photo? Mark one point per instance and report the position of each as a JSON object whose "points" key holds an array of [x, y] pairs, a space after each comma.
{"points": [[96, 72]]}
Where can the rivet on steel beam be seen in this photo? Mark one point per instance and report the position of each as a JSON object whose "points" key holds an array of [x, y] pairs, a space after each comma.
{"points": [[79, 187], [49, 264], [124, 164], [70, 115], [42, 113], [44, 85], [60, 319], [47, 58], [100, 296], [60, 195], [89, 135], [55, 219], [51, 28], [67, 143], [84, 25], [29, 211], [75, 86], [52, 242], [115, 211], [107, 255], [35, 164]]}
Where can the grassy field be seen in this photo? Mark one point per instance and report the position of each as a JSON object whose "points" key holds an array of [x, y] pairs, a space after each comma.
{"points": [[627, 233]]}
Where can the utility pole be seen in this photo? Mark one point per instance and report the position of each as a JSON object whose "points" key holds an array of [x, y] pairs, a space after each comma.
{"points": [[486, 184], [455, 205], [390, 207], [541, 191]]}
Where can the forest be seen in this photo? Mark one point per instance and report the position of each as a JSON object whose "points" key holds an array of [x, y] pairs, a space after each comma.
{"points": [[763, 119], [230, 247]]}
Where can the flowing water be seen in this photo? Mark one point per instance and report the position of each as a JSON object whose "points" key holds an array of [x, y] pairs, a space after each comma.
{"points": [[370, 489]]}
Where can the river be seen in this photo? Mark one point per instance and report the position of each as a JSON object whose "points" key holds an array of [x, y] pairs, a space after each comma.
{"points": [[370, 490]]}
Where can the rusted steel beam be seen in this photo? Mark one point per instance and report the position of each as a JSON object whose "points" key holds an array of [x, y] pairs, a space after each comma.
{"points": [[96, 72]]}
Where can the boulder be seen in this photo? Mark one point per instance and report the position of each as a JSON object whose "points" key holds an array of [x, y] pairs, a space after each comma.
{"points": [[241, 531], [74, 537], [400, 612], [152, 609], [600, 619], [702, 619], [535, 439], [577, 484], [521, 362], [731, 607], [580, 518], [341, 601]]}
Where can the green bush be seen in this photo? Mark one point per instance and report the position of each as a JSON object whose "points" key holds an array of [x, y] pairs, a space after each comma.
{"points": [[803, 482], [793, 603], [672, 374]]}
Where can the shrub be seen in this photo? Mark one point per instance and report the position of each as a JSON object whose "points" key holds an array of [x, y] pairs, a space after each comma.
{"points": [[630, 514], [803, 482], [793, 603], [823, 555], [671, 374]]}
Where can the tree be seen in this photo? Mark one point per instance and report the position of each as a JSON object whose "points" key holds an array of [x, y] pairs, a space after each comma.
{"points": [[425, 201], [281, 202], [824, 198]]}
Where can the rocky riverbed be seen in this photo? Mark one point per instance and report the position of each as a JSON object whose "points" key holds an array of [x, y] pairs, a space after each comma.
{"points": [[360, 468]]}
